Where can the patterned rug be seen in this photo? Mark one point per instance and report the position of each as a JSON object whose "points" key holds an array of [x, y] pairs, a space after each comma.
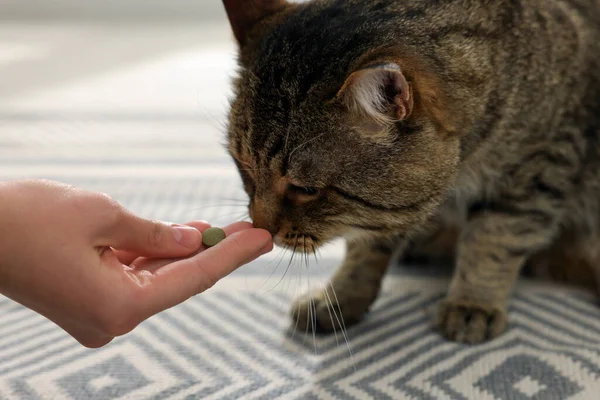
{"points": [[148, 134], [235, 343]]}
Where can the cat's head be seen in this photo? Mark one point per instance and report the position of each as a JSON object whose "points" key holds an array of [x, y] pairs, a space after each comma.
{"points": [[337, 128]]}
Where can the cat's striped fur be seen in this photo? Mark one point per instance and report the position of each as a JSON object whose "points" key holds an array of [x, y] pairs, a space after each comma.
{"points": [[492, 120]]}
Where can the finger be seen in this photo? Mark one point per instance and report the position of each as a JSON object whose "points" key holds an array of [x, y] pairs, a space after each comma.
{"points": [[200, 225], [154, 264], [127, 257], [153, 239], [183, 279]]}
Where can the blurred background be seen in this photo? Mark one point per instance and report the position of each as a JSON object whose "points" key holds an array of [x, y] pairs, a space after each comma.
{"points": [[127, 97]]}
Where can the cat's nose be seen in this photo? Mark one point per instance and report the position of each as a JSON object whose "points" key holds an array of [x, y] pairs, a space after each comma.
{"points": [[267, 225], [263, 217]]}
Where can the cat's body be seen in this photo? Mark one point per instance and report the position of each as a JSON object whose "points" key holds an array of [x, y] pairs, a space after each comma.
{"points": [[380, 119]]}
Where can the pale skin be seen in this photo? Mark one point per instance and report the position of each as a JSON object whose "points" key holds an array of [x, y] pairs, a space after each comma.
{"points": [[95, 269]]}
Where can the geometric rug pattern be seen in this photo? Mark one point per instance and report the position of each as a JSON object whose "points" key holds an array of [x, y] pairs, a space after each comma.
{"points": [[226, 344]]}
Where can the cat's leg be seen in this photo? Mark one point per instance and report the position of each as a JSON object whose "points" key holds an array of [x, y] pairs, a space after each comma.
{"points": [[350, 292], [494, 244]]}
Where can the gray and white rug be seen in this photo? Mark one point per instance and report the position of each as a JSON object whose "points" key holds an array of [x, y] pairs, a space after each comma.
{"points": [[146, 131], [236, 343]]}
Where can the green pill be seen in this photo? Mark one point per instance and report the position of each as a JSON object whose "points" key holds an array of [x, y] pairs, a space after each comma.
{"points": [[212, 236]]}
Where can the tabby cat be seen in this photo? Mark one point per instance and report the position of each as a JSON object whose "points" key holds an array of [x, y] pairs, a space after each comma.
{"points": [[382, 120]]}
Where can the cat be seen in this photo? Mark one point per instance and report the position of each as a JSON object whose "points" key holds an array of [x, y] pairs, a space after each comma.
{"points": [[380, 121]]}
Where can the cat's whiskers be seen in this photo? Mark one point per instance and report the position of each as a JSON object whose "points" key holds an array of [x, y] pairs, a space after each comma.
{"points": [[340, 320], [254, 169], [296, 316], [309, 314], [313, 321], [215, 121], [299, 289], [328, 302], [215, 206], [245, 217], [222, 205], [333, 315], [313, 305], [308, 318], [232, 203], [289, 265], [235, 201], [305, 143], [280, 260], [236, 215]]}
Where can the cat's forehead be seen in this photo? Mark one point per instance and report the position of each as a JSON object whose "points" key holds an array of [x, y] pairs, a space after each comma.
{"points": [[310, 49]]}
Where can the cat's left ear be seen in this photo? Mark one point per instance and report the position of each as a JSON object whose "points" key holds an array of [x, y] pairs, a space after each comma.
{"points": [[380, 93], [244, 15]]}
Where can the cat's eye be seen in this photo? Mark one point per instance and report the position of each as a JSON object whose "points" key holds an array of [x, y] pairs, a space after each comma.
{"points": [[302, 190]]}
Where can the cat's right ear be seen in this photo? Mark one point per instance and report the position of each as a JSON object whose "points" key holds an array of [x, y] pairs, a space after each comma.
{"points": [[244, 15], [380, 94]]}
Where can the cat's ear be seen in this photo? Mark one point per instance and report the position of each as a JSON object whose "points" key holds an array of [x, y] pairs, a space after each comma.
{"points": [[245, 14], [379, 93]]}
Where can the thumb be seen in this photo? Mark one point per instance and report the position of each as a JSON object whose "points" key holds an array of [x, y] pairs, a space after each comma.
{"points": [[152, 239]]}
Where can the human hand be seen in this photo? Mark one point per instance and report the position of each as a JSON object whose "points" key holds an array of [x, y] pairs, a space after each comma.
{"points": [[96, 270]]}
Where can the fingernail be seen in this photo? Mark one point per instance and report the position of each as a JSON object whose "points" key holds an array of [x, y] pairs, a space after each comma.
{"points": [[187, 237]]}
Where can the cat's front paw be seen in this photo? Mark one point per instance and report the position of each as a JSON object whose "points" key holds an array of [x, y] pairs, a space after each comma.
{"points": [[324, 312], [469, 323]]}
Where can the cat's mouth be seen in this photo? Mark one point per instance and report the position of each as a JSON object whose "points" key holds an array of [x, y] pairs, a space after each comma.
{"points": [[297, 242]]}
